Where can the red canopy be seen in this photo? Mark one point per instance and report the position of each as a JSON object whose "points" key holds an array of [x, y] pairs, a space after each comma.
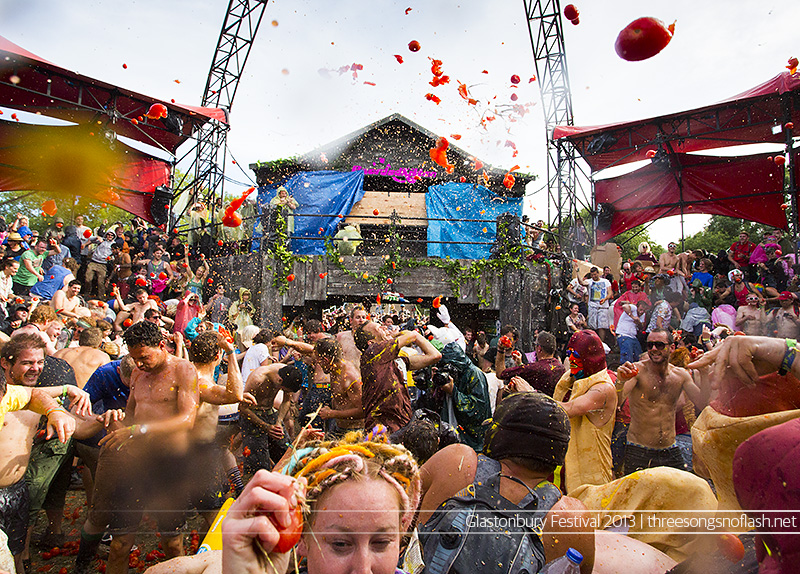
{"points": [[749, 188], [746, 118], [66, 161], [31, 83]]}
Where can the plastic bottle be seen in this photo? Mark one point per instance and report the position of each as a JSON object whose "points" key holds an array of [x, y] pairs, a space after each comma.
{"points": [[570, 563]]}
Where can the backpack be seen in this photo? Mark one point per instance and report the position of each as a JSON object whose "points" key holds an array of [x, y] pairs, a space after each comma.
{"points": [[477, 530]]}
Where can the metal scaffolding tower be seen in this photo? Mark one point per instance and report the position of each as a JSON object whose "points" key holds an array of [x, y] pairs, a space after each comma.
{"points": [[239, 29], [550, 59]]}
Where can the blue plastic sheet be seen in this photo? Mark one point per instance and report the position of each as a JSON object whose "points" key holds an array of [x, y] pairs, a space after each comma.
{"points": [[455, 201], [316, 192]]}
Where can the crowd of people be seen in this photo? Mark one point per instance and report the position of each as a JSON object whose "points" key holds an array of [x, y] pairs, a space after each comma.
{"points": [[374, 440]]}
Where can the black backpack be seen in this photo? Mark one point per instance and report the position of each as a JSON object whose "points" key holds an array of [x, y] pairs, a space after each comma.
{"points": [[477, 530]]}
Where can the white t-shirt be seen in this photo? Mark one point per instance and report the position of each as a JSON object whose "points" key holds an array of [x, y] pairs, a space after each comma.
{"points": [[598, 290], [579, 289], [626, 326], [253, 358]]}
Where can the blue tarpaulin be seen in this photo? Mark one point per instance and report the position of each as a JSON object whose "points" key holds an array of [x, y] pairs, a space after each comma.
{"points": [[455, 201], [316, 192]]}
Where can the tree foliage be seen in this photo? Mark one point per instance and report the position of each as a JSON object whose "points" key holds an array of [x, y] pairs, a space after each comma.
{"points": [[30, 205], [721, 232]]}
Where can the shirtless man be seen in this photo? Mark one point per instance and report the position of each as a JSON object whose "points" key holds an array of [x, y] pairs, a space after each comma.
{"points": [[668, 262], [87, 357], [206, 354], [751, 318], [262, 433], [22, 361], [67, 303], [358, 316], [345, 382], [784, 321], [148, 459], [134, 311], [653, 388]]}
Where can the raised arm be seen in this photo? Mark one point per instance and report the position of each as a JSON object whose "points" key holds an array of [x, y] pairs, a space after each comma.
{"points": [[429, 356], [300, 346]]}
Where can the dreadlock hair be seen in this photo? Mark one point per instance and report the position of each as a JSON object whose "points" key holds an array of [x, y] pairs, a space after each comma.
{"points": [[354, 457]]}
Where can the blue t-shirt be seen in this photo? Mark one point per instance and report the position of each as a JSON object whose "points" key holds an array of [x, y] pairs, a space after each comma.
{"points": [[107, 391], [707, 279], [105, 386], [52, 282]]}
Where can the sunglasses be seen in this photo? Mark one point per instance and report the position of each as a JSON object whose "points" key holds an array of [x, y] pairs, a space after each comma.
{"points": [[660, 345]]}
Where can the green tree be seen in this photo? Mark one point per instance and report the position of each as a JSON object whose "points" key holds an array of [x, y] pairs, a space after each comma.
{"points": [[721, 232], [30, 204]]}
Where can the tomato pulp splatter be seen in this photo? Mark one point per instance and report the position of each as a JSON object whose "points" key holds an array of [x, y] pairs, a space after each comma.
{"points": [[439, 154]]}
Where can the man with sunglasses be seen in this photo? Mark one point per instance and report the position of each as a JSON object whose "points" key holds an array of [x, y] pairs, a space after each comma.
{"points": [[653, 388]]}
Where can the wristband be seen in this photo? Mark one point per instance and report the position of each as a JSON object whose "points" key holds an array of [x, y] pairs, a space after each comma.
{"points": [[51, 410], [133, 431], [788, 356]]}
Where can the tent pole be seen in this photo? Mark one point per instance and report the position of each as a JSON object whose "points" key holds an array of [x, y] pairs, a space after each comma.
{"points": [[791, 188]]}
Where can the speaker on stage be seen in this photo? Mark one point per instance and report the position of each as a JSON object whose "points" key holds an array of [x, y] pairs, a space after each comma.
{"points": [[159, 208], [605, 214]]}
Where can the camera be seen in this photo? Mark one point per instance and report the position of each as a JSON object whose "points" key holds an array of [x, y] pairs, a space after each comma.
{"points": [[443, 373]]}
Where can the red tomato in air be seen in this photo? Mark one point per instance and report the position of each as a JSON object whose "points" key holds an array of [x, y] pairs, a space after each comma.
{"points": [[127, 323], [570, 12], [437, 302], [643, 38], [389, 280], [650, 154], [87, 234], [375, 212], [290, 277], [779, 159], [730, 547], [290, 535], [515, 79], [414, 46], [162, 276]]}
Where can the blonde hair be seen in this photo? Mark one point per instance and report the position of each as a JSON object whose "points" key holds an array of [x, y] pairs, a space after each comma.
{"points": [[356, 457]]}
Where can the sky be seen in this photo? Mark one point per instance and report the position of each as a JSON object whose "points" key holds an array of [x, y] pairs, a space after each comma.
{"points": [[287, 104]]}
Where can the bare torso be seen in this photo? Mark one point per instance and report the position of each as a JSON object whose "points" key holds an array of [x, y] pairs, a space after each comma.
{"points": [[264, 384], [16, 441], [346, 393], [157, 398], [667, 261], [653, 402], [349, 349], [138, 310], [750, 320], [84, 361], [786, 324]]}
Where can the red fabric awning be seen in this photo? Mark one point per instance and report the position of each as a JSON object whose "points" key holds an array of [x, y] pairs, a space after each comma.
{"points": [[41, 86], [745, 187], [746, 118], [69, 160]]}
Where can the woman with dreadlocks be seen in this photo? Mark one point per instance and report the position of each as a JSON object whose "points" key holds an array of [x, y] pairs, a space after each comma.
{"points": [[357, 497], [361, 496]]}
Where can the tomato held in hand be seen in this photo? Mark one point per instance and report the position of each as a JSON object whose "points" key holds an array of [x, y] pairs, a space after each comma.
{"points": [[730, 547], [290, 535], [643, 38]]}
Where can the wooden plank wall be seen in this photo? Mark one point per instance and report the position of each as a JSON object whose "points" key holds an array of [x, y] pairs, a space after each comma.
{"points": [[406, 205]]}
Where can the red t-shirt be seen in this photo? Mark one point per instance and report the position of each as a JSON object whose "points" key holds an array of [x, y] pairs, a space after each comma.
{"points": [[742, 252]]}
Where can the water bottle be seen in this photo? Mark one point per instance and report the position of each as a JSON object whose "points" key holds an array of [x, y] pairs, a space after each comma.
{"points": [[567, 564]]}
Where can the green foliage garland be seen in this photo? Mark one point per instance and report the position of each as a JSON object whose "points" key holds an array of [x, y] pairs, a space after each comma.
{"points": [[282, 255]]}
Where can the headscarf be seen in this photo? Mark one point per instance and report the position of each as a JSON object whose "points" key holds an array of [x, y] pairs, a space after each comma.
{"points": [[586, 349]]}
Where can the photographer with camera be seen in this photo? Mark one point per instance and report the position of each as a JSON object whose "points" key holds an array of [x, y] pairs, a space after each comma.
{"points": [[466, 394]]}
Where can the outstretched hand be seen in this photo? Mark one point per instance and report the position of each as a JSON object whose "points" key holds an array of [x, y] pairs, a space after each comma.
{"points": [[744, 357]]}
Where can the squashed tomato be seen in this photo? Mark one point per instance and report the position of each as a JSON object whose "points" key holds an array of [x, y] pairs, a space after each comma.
{"points": [[643, 38], [730, 547]]}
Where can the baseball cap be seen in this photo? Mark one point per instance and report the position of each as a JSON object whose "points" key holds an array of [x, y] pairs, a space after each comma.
{"points": [[785, 296]]}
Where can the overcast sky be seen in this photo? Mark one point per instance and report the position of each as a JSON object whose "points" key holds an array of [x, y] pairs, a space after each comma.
{"points": [[286, 106]]}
